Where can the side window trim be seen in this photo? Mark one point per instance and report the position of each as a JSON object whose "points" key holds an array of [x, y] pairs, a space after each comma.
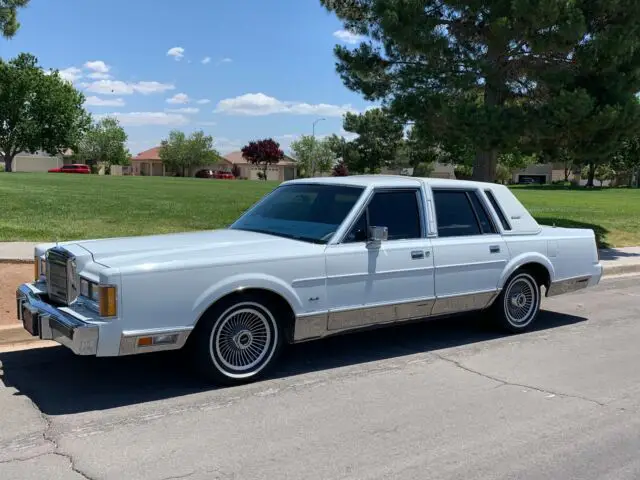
{"points": [[486, 211], [467, 192], [365, 211], [498, 209]]}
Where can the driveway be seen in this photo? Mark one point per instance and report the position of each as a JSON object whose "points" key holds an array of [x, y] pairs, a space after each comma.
{"points": [[444, 400]]}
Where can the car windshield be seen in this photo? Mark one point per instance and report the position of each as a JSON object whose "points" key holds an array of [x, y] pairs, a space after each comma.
{"points": [[308, 212]]}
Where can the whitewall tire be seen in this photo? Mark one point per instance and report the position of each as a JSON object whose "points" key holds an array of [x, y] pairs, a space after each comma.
{"points": [[238, 340], [518, 305]]}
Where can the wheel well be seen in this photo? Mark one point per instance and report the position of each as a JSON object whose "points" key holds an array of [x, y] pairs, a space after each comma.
{"points": [[539, 272], [283, 311]]}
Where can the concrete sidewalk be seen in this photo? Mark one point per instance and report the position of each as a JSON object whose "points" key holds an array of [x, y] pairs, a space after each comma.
{"points": [[16, 252]]}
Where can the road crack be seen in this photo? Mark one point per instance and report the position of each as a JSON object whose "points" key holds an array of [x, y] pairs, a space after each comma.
{"points": [[503, 382], [49, 438]]}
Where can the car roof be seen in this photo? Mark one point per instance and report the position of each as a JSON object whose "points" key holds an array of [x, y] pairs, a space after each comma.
{"points": [[390, 181]]}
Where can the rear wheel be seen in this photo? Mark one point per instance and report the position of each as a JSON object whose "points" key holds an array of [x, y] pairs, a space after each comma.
{"points": [[237, 340], [518, 305]]}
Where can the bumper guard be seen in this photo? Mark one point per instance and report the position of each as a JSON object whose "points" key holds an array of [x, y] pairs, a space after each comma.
{"points": [[43, 320]]}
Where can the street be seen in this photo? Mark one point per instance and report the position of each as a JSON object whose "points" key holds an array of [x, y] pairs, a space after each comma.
{"points": [[447, 399]]}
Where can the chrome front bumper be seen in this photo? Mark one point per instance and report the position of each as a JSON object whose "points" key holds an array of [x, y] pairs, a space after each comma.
{"points": [[47, 322]]}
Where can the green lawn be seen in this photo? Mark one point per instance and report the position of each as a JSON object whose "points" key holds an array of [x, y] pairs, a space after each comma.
{"points": [[64, 207], [61, 207], [613, 213]]}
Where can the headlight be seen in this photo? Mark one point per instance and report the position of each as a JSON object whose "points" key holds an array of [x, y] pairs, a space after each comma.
{"points": [[89, 290]]}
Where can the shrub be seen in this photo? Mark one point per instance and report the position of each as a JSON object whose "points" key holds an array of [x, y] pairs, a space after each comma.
{"points": [[340, 170]]}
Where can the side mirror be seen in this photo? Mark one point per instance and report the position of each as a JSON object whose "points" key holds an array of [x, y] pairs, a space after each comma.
{"points": [[378, 235]]}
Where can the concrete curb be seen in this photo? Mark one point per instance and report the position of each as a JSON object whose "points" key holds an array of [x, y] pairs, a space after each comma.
{"points": [[19, 261], [16, 335]]}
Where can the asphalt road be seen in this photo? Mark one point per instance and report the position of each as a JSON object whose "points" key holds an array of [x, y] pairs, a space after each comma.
{"points": [[437, 400]]}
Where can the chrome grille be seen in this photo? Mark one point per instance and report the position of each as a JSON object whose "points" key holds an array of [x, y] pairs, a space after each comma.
{"points": [[61, 276]]}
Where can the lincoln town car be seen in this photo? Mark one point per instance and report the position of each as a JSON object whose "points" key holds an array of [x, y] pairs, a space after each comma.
{"points": [[313, 258]]}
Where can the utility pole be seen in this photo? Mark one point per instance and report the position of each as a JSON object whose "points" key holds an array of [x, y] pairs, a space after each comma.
{"points": [[313, 154]]}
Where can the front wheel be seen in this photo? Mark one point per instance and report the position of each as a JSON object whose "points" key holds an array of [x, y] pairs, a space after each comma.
{"points": [[237, 341], [518, 304]]}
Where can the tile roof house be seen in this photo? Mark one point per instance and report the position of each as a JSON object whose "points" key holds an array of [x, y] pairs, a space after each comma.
{"points": [[284, 170], [148, 163]]}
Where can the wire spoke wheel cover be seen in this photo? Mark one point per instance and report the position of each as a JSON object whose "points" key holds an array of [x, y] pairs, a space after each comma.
{"points": [[521, 300], [243, 340]]}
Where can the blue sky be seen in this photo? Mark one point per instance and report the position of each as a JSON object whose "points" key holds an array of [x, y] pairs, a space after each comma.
{"points": [[237, 69]]}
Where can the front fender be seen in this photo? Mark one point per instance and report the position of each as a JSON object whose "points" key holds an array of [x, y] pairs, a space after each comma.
{"points": [[523, 259], [245, 281]]}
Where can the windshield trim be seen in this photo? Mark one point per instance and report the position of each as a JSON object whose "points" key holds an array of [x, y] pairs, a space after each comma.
{"points": [[362, 190]]}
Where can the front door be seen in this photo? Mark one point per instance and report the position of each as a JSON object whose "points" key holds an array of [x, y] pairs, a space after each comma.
{"points": [[370, 284], [469, 253]]}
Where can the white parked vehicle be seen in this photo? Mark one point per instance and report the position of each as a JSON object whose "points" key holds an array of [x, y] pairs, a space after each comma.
{"points": [[313, 258]]}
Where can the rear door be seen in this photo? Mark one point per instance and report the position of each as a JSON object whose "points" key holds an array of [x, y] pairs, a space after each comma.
{"points": [[469, 252]]}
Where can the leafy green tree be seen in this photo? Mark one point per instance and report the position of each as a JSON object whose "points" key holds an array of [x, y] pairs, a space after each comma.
{"points": [[263, 153], [313, 155], [9, 24], [379, 138], [478, 72], [627, 160], [180, 153], [343, 149], [38, 111], [104, 143]]}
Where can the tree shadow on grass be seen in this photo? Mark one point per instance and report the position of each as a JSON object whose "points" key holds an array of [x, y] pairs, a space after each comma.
{"points": [[600, 231], [60, 383]]}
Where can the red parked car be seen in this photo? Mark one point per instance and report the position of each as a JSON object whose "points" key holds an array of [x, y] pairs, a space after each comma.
{"points": [[224, 175], [207, 173], [73, 168]]}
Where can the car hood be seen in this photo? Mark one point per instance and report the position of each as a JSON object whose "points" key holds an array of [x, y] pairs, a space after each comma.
{"points": [[208, 245]]}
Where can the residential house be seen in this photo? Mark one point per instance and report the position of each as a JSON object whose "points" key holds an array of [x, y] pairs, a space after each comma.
{"points": [[284, 170], [542, 173], [148, 163]]}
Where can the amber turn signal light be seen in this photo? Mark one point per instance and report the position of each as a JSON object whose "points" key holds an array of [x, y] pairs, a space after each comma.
{"points": [[108, 304]]}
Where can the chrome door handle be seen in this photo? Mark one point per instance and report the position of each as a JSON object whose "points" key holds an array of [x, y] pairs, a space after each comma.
{"points": [[417, 254], [494, 249]]}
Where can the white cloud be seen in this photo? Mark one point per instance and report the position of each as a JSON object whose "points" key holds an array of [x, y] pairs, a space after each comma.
{"points": [[99, 76], [206, 60], [94, 101], [97, 66], [257, 104], [187, 110], [118, 87], [203, 101], [147, 88], [347, 135], [348, 37], [179, 98], [176, 52], [225, 60], [139, 119], [226, 145], [71, 74]]}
